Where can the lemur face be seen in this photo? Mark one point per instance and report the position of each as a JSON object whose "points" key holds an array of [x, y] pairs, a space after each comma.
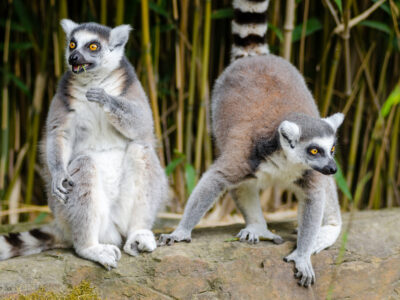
{"points": [[94, 48], [311, 142]]}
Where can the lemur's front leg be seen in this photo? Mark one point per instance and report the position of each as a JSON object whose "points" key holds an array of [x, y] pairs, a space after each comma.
{"points": [[130, 117], [210, 186], [307, 235]]}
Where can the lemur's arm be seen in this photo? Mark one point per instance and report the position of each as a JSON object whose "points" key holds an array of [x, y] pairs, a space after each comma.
{"points": [[58, 147], [130, 115], [310, 224]]}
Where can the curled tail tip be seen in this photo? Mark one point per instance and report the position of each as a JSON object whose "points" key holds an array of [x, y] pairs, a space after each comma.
{"points": [[25, 243], [249, 28]]}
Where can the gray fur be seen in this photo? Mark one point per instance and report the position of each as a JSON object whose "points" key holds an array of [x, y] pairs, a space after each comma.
{"points": [[104, 180], [265, 124]]}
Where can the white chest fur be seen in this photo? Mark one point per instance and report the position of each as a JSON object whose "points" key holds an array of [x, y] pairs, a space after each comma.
{"points": [[278, 171], [93, 130]]}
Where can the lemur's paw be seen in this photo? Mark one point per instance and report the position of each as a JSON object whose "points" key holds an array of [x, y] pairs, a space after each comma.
{"points": [[252, 235], [96, 95], [140, 241], [105, 254], [176, 236], [303, 269]]}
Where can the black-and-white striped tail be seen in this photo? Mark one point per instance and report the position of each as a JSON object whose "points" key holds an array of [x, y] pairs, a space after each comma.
{"points": [[29, 242], [249, 28]]}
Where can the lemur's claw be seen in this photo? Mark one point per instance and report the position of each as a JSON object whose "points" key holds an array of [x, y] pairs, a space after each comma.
{"points": [[170, 239], [303, 269]]}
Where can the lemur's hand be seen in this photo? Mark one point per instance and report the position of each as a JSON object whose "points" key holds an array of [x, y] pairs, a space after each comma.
{"points": [[61, 185], [97, 95], [304, 270], [176, 236]]}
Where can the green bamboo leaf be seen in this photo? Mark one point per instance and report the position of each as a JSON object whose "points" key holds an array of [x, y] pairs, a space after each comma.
{"points": [[40, 218], [339, 5], [18, 82], [173, 164], [14, 26], [224, 13], [313, 25], [342, 183], [360, 187], [190, 175], [18, 46], [158, 9], [384, 6], [24, 17], [377, 25], [277, 31], [393, 99]]}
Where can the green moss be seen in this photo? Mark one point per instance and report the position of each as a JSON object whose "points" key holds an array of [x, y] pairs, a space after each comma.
{"points": [[83, 291]]}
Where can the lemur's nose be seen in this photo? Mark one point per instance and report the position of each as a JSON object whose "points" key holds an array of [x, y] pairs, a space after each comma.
{"points": [[331, 168], [74, 57]]}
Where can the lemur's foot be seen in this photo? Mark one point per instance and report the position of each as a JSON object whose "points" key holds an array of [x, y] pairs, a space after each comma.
{"points": [[253, 234], [304, 269], [176, 236], [105, 254], [140, 241]]}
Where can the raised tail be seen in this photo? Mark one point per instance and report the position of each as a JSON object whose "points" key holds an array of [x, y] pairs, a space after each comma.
{"points": [[31, 242], [249, 28]]}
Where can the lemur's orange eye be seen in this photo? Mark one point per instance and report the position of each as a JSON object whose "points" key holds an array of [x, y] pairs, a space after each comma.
{"points": [[93, 47], [314, 151], [333, 149], [72, 45]]}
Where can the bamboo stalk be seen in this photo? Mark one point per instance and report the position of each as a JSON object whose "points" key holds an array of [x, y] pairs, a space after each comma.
{"points": [[40, 86], [355, 141], [119, 18], [303, 36], [203, 91], [192, 83], [393, 159], [288, 28], [353, 22], [378, 165], [332, 78], [346, 41], [5, 105], [150, 76], [103, 12]]}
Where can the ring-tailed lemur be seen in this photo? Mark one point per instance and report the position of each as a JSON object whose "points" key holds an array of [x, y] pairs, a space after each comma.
{"points": [[268, 131], [104, 181]]}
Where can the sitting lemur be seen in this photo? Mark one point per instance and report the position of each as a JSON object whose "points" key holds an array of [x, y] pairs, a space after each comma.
{"points": [[104, 181]]}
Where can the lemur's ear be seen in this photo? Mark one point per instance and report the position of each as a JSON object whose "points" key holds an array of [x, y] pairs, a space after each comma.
{"points": [[335, 120], [119, 36], [68, 26], [290, 132]]}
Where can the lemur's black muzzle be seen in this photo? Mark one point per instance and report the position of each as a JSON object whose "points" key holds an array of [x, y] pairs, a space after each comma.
{"points": [[330, 168], [76, 58]]}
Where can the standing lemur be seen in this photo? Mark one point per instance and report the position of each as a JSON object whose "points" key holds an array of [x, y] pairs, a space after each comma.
{"points": [[104, 180], [268, 131]]}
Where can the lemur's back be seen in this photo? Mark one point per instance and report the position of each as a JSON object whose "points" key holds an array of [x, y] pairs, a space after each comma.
{"points": [[254, 95]]}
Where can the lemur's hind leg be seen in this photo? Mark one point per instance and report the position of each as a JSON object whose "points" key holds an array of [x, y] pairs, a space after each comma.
{"points": [[332, 221], [246, 197], [144, 183], [83, 213]]}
